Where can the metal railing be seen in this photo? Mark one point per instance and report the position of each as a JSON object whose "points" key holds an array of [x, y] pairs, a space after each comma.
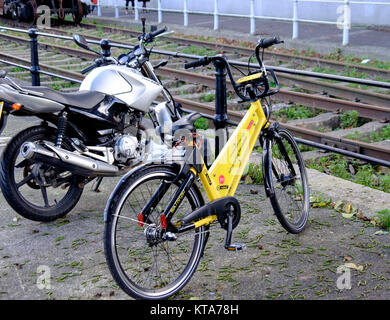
{"points": [[35, 79], [344, 24]]}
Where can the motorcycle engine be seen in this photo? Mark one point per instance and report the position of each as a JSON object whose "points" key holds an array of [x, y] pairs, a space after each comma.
{"points": [[127, 148]]}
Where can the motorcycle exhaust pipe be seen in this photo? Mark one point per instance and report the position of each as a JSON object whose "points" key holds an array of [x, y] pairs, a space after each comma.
{"points": [[67, 160]]}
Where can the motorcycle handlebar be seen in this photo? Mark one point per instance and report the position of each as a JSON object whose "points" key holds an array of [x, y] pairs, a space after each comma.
{"points": [[91, 67], [150, 36]]}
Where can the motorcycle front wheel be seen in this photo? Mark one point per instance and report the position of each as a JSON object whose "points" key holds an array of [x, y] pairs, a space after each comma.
{"points": [[35, 190]]}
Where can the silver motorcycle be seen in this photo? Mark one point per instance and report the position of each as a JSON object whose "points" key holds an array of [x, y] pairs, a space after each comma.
{"points": [[96, 132]]}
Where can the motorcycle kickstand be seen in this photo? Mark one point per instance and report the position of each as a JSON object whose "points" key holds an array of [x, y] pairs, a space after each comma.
{"points": [[96, 184]]}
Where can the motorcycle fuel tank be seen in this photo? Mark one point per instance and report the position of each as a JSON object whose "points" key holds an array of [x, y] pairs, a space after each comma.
{"points": [[125, 84]]}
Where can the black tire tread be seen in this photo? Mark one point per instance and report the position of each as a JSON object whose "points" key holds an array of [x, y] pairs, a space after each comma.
{"points": [[108, 230], [274, 202], [6, 180]]}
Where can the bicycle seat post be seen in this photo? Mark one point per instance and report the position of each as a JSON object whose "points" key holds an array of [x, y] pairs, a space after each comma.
{"points": [[220, 106]]}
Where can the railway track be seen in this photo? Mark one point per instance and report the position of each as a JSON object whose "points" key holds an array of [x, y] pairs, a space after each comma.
{"points": [[71, 64], [308, 84], [216, 44], [248, 51]]}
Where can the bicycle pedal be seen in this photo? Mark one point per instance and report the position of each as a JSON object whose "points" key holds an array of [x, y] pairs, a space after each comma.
{"points": [[236, 247]]}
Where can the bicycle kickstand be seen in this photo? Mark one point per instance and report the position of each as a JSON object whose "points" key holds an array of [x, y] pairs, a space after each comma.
{"points": [[228, 245]]}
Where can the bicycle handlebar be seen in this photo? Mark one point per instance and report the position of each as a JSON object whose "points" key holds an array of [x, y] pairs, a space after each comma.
{"points": [[263, 43], [268, 42], [198, 63]]}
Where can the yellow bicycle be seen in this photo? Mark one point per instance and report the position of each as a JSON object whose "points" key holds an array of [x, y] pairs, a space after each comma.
{"points": [[157, 222]]}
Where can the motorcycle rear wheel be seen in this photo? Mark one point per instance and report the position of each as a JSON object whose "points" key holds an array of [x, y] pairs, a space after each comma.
{"points": [[33, 199]]}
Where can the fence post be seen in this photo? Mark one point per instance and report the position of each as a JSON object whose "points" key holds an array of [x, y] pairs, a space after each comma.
{"points": [[159, 11], [253, 27], [136, 13], [116, 9], [34, 68], [295, 19], [347, 22], [216, 17], [99, 10], [185, 12]]}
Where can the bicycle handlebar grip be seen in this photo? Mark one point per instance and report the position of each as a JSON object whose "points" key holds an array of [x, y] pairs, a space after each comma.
{"points": [[197, 63], [267, 42]]}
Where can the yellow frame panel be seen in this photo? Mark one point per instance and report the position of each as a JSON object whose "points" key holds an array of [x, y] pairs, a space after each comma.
{"points": [[225, 173]]}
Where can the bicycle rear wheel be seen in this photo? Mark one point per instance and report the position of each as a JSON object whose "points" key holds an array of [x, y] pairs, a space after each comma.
{"points": [[287, 176], [143, 266]]}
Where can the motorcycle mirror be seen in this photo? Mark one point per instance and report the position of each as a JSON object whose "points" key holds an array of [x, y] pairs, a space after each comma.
{"points": [[81, 41]]}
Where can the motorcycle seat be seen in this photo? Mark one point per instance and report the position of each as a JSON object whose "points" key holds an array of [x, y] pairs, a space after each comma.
{"points": [[184, 123], [80, 99]]}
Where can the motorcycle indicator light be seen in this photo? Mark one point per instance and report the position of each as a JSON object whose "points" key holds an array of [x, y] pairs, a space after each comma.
{"points": [[16, 106]]}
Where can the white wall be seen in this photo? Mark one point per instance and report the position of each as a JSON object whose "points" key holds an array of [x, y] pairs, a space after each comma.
{"points": [[362, 14]]}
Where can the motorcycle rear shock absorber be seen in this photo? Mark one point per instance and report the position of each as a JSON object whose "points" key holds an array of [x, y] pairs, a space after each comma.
{"points": [[62, 121]]}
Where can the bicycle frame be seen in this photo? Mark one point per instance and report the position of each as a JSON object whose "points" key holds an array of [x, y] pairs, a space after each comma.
{"points": [[225, 173]]}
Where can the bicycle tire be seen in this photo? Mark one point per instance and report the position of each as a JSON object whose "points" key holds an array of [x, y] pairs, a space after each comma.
{"points": [[129, 282], [284, 163]]}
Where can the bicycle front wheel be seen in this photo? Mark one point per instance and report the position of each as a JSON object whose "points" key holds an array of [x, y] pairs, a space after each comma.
{"points": [[144, 267], [288, 180]]}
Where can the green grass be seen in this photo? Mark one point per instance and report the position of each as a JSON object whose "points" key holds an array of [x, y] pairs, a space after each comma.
{"points": [[208, 97], [200, 51], [367, 174], [351, 119], [382, 135], [256, 173], [201, 123], [296, 112], [383, 219]]}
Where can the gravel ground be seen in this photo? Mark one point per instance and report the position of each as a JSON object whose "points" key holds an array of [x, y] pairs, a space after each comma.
{"points": [[276, 265]]}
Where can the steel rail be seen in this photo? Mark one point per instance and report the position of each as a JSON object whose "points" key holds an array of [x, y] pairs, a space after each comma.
{"points": [[248, 51], [326, 141], [380, 100], [232, 62], [309, 100], [330, 104], [352, 148]]}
